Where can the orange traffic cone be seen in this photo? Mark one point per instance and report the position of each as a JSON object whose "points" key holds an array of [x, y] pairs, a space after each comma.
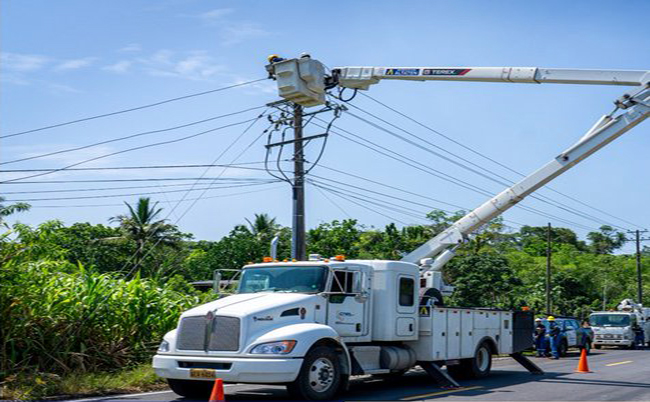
{"points": [[583, 367], [217, 394]]}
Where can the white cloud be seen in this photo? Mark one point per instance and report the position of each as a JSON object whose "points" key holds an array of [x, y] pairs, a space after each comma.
{"points": [[63, 88], [131, 47], [75, 64], [196, 65], [120, 67], [216, 14], [240, 32], [22, 62]]}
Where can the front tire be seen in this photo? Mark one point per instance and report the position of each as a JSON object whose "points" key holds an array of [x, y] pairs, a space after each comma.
{"points": [[191, 388], [564, 348], [596, 346], [320, 377]]}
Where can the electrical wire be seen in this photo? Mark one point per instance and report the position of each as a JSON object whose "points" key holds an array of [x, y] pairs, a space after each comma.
{"points": [[131, 136], [185, 200], [504, 181], [468, 148], [133, 149], [238, 166], [131, 109], [235, 179]]}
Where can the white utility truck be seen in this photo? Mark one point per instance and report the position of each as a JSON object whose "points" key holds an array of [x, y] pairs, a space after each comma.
{"points": [[313, 324], [617, 328]]}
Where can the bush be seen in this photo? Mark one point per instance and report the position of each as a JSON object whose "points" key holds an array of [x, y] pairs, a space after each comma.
{"points": [[61, 318]]}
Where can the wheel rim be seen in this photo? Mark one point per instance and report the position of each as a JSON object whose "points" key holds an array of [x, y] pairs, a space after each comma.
{"points": [[482, 358], [321, 375]]}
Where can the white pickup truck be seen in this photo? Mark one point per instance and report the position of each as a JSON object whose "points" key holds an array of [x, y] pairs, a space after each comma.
{"points": [[312, 325]]}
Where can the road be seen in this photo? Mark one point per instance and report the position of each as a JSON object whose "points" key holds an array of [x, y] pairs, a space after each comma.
{"points": [[618, 375]]}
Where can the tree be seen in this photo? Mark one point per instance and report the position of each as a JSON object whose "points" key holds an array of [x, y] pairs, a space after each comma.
{"points": [[6, 210], [142, 226], [606, 241], [533, 239], [263, 227]]}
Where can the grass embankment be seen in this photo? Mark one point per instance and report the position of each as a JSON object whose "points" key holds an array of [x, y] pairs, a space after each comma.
{"points": [[42, 385]]}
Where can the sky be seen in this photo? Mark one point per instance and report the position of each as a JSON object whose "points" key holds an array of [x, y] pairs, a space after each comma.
{"points": [[66, 60]]}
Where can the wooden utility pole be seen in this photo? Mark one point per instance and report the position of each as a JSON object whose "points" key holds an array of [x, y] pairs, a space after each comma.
{"points": [[298, 245], [639, 277], [548, 269]]}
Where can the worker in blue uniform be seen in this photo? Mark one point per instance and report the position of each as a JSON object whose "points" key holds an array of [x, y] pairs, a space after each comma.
{"points": [[540, 338], [555, 336]]}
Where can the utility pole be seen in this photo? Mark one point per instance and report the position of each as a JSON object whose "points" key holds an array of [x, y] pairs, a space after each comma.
{"points": [[298, 246], [639, 278], [548, 269]]}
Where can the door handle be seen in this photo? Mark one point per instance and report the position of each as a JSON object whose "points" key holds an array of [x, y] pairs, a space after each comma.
{"points": [[411, 327]]}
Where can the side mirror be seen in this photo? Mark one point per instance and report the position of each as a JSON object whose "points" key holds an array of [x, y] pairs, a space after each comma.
{"points": [[357, 287]]}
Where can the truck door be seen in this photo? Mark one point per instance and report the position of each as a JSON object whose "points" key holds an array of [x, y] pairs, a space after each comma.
{"points": [[570, 331], [348, 304]]}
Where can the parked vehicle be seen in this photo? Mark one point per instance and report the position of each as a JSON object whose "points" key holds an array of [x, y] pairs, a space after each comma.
{"points": [[617, 328], [572, 334]]}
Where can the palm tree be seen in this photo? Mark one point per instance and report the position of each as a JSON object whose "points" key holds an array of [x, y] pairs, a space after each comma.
{"points": [[263, 226], [11, 209], [142, 225]]}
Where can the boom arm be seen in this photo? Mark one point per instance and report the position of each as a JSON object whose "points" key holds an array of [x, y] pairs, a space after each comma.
{"points": [[606, 130], [363, 77]]}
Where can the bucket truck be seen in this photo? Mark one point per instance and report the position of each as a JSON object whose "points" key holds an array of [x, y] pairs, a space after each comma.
{"points": [[313, 324], [617, 328]]}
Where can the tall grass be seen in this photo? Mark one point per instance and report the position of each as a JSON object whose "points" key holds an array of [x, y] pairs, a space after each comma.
{"points": [[61, 318]]}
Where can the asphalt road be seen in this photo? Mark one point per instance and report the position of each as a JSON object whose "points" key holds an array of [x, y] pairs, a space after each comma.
{"points": [[618, 375]]}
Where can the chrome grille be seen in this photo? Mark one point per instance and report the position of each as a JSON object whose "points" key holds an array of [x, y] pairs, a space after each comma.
{"points": [[191, 333], [225, 334]]}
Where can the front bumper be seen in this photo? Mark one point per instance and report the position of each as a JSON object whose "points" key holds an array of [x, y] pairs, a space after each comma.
{"points": [[244, 370], [613, 342]]}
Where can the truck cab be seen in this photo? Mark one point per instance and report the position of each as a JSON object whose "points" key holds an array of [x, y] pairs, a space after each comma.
{"points": [[313, 324], [616, 328]]}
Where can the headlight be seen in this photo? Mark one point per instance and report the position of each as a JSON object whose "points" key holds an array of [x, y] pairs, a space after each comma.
{"points": [[274, 348], [626, 337], [164, 346]]}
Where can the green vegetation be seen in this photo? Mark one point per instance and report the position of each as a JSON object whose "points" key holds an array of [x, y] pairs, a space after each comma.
{"points": [[83, 300]]}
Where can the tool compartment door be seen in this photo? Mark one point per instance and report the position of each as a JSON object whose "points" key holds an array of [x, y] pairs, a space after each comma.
{"points": [[453, 333], [467, 333]]}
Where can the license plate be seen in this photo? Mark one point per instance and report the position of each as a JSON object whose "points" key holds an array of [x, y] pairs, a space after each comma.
{"points": [[203, 373]]}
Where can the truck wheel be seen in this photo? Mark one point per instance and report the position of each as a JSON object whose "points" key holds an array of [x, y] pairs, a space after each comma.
{"points": [[478, 366], [320, 376], [597, 346], [190, 388]]}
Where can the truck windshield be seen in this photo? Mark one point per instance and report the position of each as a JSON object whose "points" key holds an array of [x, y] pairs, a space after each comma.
{"points": [[609, 320], [294, 279]]}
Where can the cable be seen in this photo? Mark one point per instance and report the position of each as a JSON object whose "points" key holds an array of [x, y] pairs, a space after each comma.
{"points": [[136, 167], [133, 149], [77, 190], [492, 160], [444, 176], [131, 109], [504, 181], [185, 200], [324, 194], [131, 136], [133, 194], [135, 180]]}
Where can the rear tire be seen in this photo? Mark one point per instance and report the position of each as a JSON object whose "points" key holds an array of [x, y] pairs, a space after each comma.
{"points": [[597, 346], [478, 366], [321, 375], [191, 388]]}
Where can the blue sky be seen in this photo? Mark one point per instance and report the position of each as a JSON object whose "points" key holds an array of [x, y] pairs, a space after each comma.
{"points": [[71, 59]]}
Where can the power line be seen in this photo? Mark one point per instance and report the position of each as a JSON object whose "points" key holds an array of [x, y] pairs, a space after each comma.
{"points": [[410, 162], [136, 180], [134, 194], [493, 160], [185, 200], [77, 190], [503, 180], [133, 149], [237, 166], [131, 136], [132, 109]]}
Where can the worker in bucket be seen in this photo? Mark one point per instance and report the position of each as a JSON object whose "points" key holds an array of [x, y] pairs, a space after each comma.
{"points": [[555, 335], [540, 338]]}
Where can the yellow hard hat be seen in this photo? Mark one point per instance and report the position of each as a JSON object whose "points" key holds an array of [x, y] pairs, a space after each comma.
{"points": [[272, 57], [551, 318]]}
